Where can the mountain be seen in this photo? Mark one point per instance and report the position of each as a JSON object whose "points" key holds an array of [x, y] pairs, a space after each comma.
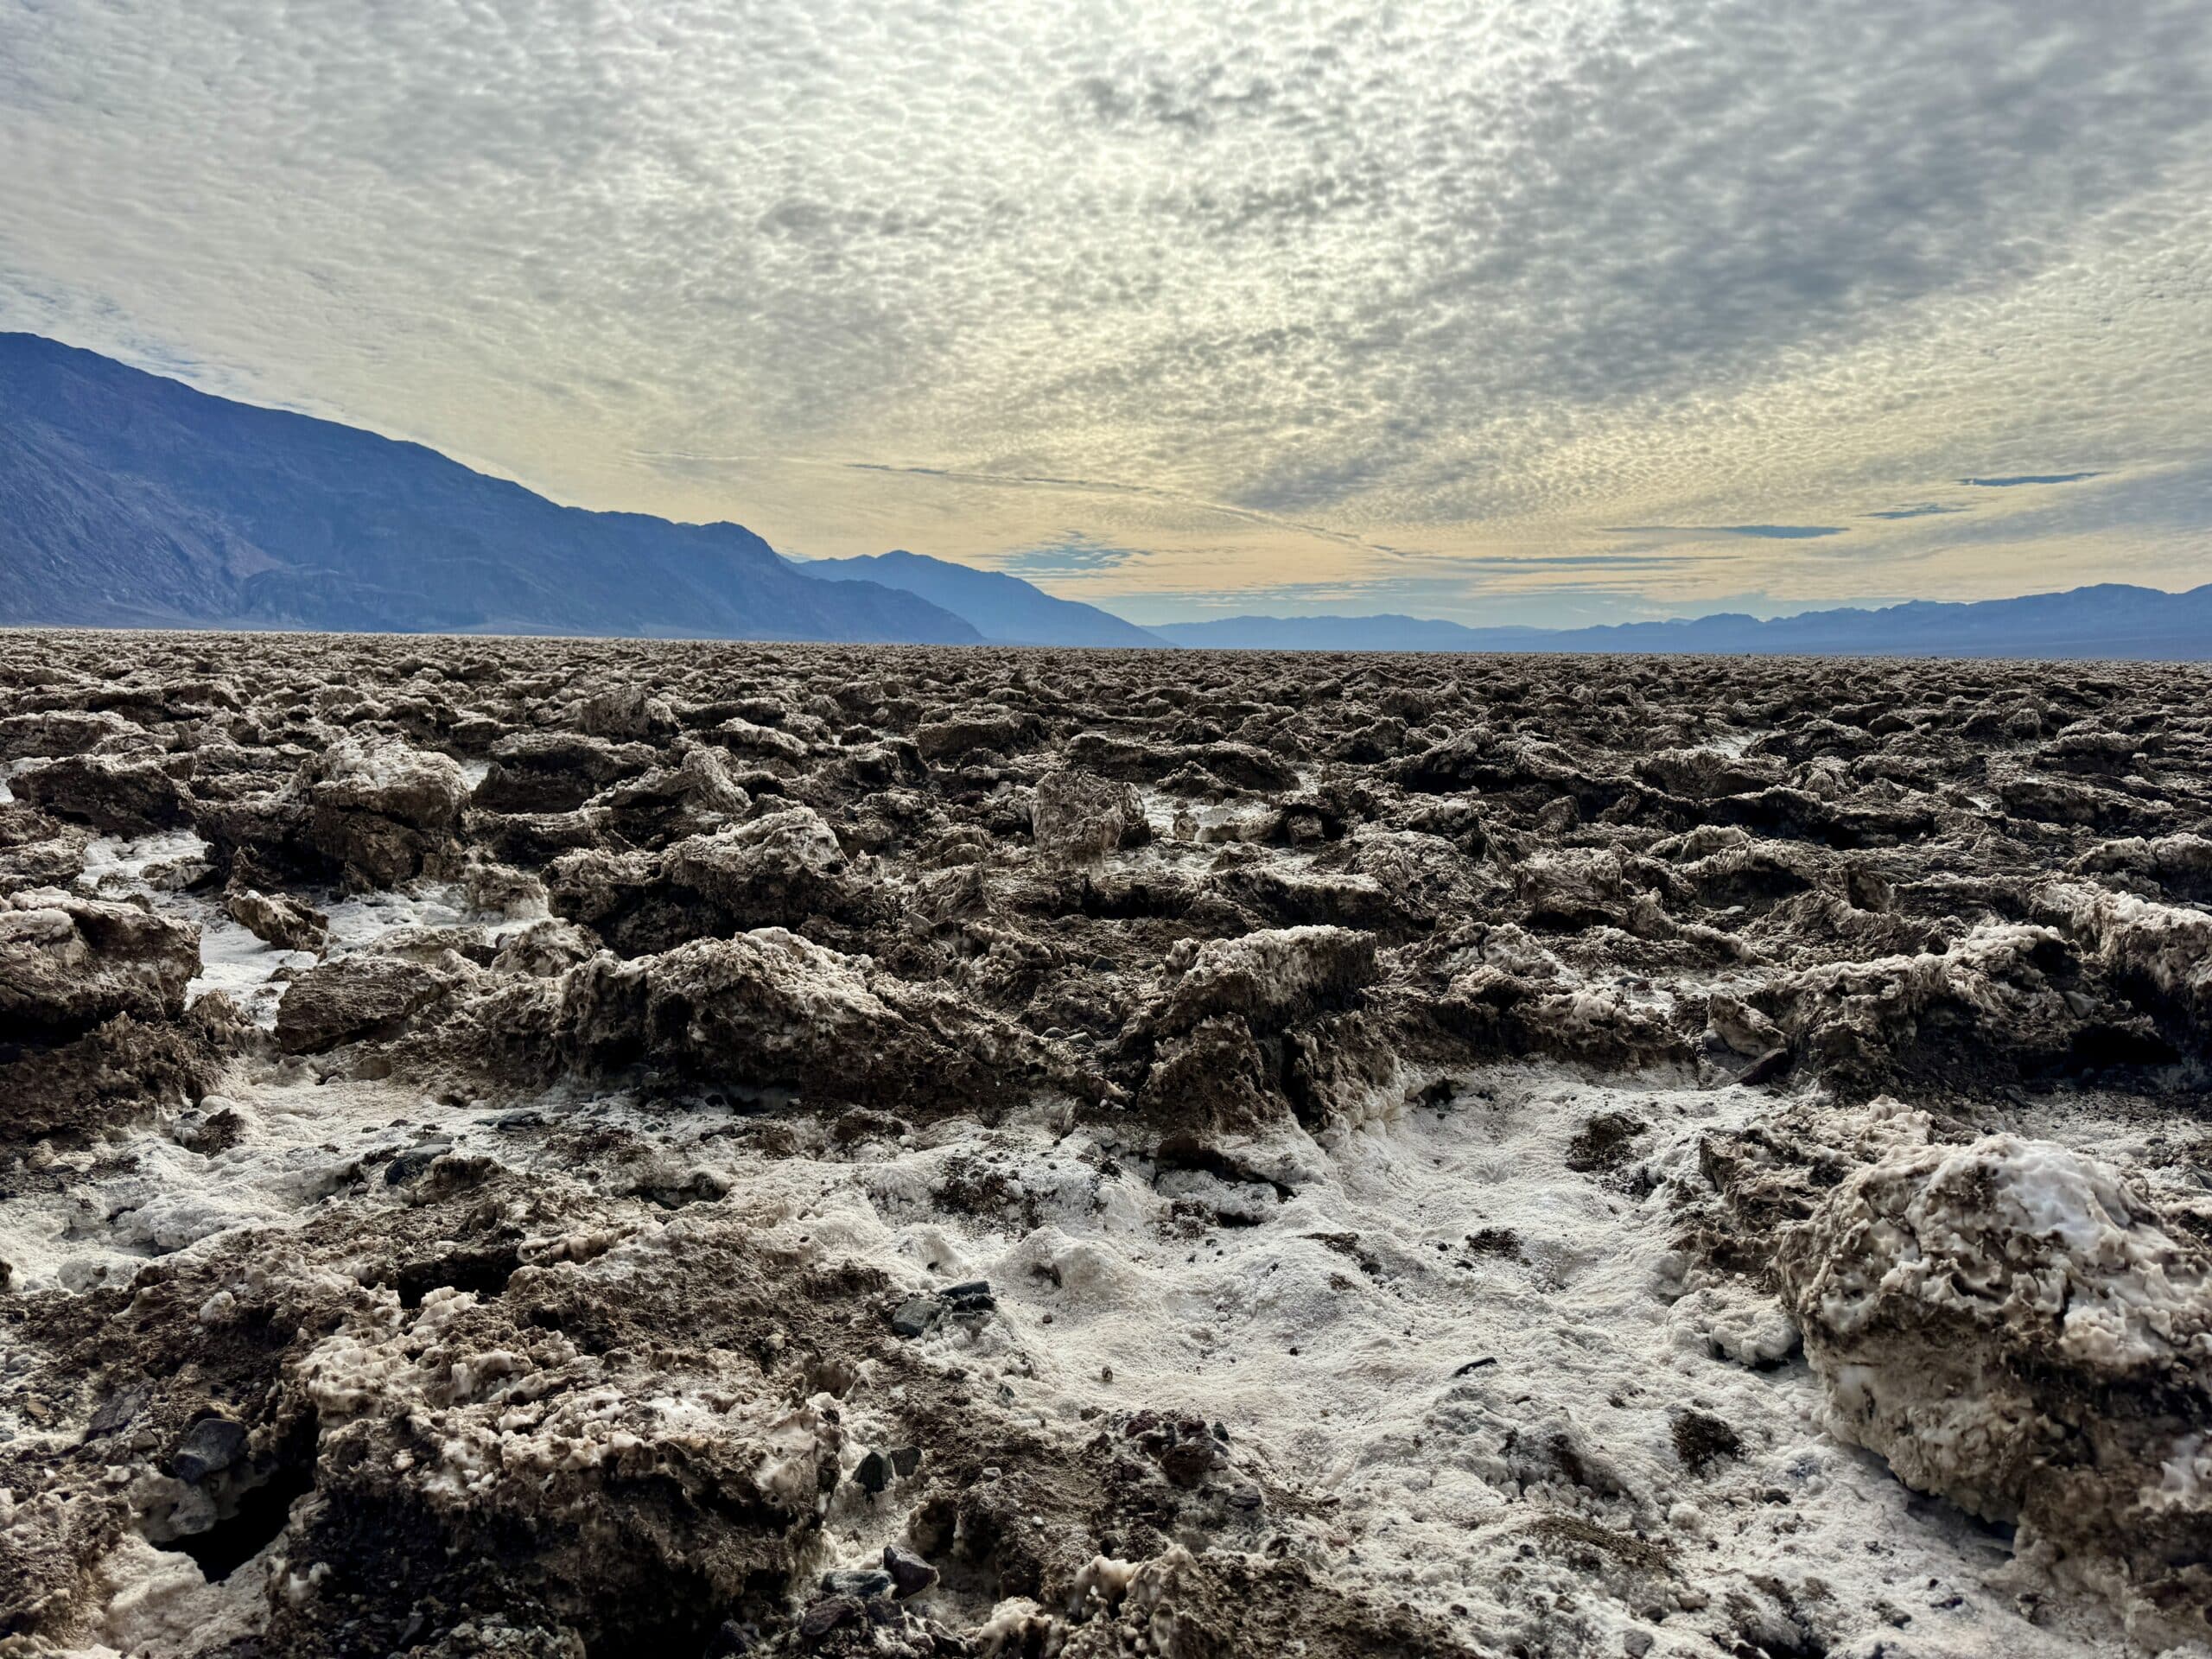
{"points": [[1004, 608], [2111, 619], [1387, 632], [130, 500]]}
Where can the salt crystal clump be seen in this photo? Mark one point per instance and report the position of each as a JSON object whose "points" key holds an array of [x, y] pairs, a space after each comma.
{"points": [[1270, 977], [1077, 816], [2162, 949], [1732, 1322], [416, 787], [2016, 1331], [770, 1009], [772, 871], [380, 808], [1990, 993], [68, 962]]}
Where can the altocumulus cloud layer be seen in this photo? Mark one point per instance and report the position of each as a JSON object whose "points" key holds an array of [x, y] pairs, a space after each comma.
{"points": [[1323, 304]]}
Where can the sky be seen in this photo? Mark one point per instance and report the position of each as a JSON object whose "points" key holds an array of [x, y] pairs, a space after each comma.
{"points": [[1516, 311]]}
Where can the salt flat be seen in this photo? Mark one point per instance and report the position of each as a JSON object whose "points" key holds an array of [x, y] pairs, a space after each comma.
{"points": [[546, 1148]]}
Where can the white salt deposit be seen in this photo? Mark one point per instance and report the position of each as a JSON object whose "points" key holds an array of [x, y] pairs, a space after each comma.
{"points": [[1442, 1335]]}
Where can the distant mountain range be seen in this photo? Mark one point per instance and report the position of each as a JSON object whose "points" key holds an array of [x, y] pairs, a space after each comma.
{"points": [[1005, 609], [1388, 633], [130, 500], [2108, 621]]}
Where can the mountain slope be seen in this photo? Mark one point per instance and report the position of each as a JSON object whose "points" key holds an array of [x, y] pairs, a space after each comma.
{"points": [[129, 500], [2108, 621], [1004, 608], [1386, 633]]}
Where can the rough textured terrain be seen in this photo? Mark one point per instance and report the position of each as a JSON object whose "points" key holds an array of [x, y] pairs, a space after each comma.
{"points": [[545, 1148]]}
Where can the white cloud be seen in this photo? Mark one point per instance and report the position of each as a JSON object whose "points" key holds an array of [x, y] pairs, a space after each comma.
{"points": [[1279, 293]]}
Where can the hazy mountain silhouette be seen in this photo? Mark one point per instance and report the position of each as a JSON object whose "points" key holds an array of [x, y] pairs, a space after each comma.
{"points": [[1003, 608], [129, 500], [2109, 620]]}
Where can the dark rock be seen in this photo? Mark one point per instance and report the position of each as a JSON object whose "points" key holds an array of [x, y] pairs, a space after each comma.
{"points": [[279, 920], [910, 1573], [1184, 1448], [775, 871], [406, 1165], [915, 1317], [1078, 817], [67, 964], [758, 744], [1186, 1461], [545, 949], [770, 1009], [1270, 977], [555, 772], [826, 1615], [1603, 1142], [60, 732], [118, 1408], [1702, 1440], [626, 712], [379, 810], [998, 728], [116, 1073], [209, 1447], [1773, 1064]]}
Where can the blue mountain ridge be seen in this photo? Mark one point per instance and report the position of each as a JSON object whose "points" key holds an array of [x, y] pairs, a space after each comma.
{"points": [[2107, 620], [127, 500], [1005, 609]]}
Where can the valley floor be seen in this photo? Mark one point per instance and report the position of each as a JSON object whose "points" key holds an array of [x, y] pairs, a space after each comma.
{"points": [[560, 1148]]}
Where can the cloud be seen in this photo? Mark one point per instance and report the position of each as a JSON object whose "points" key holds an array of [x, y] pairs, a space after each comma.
{"points": [[2026, 478], [1272, 290], [1071, 554], [1767, 532], [1926, 510]]}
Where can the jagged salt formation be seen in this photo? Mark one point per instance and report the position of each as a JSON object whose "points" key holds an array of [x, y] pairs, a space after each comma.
{"points": [[2017, 1332]]}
